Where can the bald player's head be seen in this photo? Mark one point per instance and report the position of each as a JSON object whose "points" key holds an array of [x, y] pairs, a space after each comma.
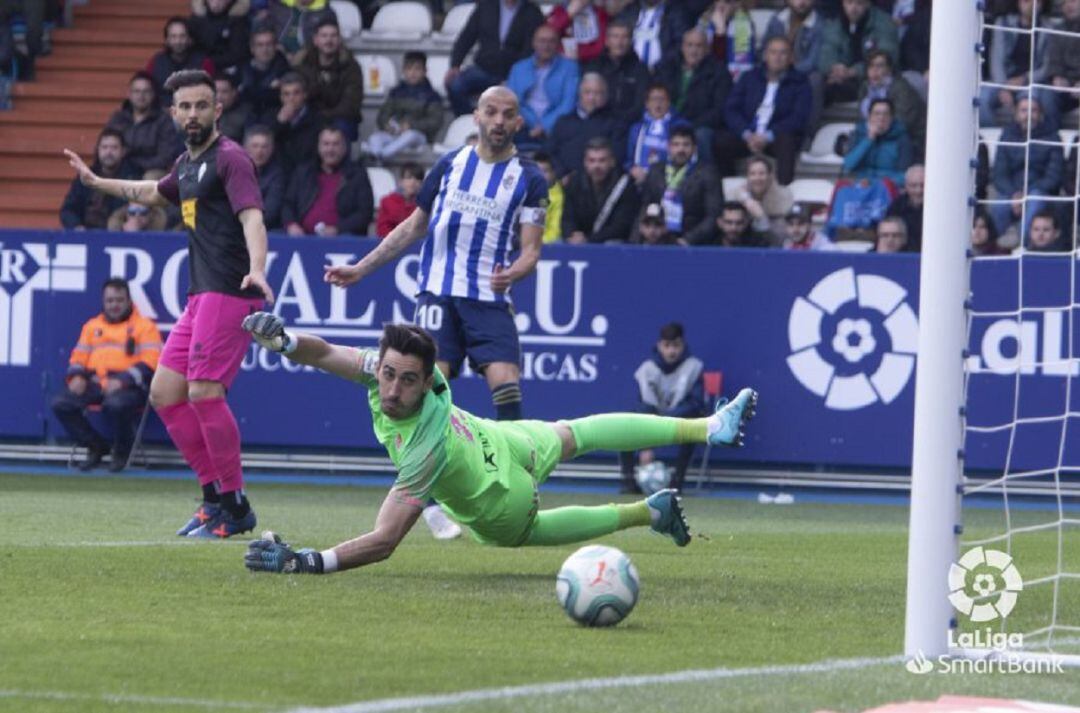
{"points": [[498, 117]]}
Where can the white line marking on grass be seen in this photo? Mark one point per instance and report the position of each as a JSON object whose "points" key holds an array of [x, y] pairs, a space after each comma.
{"points": [[132, 543], [588, 684], [121, 698]]}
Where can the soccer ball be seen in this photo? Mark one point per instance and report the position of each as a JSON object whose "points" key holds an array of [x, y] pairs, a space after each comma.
{"points": [[652, 477], [597, 586]]}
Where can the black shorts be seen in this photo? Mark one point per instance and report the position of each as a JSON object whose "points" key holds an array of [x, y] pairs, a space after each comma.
{"points": [[482, 331]]}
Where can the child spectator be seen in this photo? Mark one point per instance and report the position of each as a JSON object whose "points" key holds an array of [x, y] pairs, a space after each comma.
{"points": [[395, 207], [411, 115]]}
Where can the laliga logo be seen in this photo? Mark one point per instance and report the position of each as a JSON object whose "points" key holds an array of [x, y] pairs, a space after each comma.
{"points": [[986, 569], [832, 336]]}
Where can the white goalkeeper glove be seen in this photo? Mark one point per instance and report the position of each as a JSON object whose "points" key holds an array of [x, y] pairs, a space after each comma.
{"points": [[269, 331]]}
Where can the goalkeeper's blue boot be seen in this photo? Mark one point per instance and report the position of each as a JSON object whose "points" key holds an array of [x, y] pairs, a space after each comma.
{"points": [[203, 514], [224, 525], [725, 426], [667, 516]]}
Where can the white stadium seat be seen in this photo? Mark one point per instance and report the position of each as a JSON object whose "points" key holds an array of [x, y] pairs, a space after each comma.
{"points": [[454, 23], [437, 66], [822, 151], [811, 190], [348, 17], [404, 20], [760, 19], [990, 137], [456, 133], [382, 182], [380, 74], [733, 186]]}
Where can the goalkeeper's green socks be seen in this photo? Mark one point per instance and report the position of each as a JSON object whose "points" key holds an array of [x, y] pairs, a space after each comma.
{"points": [[634, 431], [563, 526]]}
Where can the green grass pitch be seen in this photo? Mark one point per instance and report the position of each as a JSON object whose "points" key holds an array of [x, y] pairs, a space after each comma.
{"points": [[104, 609]]}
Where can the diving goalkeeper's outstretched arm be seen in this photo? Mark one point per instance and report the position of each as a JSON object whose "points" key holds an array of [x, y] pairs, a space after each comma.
{"points": [[269, 331]]}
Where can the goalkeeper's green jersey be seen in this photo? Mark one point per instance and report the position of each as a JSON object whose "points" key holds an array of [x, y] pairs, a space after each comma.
{"points": [[483, 472]]}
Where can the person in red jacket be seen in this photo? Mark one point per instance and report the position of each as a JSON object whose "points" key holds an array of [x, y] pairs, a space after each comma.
{"points": [[111, 367], [584, 22], [397, 206]]}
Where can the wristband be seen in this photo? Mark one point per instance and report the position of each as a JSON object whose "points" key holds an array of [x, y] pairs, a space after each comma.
{"points": [[289, 342], [311, 561], [329, 561]]}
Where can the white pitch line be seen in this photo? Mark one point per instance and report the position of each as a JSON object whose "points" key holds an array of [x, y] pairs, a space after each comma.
{"points": [[122, 698], [588, 684], [181, 542]]}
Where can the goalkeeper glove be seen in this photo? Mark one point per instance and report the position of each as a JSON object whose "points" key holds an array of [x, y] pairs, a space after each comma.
{"points": [[276, 556], [269, 331]]}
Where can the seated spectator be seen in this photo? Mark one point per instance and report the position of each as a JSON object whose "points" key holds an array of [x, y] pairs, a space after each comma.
{"points": [[179, 53], [1011, 61], [111, 366], [503, 32], [33, 14], [583, 22], [653, 227], [590, 119], [295, 124], [546, 87], [767, 111], [601, 201], [698, 85], [801, 24], [1062, 64], [293, 22], [149, 133], [334, 81], [556, 197], [395, 207], [669, 384], [220, 29], [891, 235], [736, 230], [648, 140], [259, 77], [880, 147], [845, 43], [734, 40], [86, 208], [909, 206], [136, 218], [984, 236], [627, 76], [1035, 167], [915, 49], [658, 28], [411, 115], [767, 202], [800, 233], [881, 83], [330, 196], [689, 191], [1045, 233], [259, 145], [236, 114]]}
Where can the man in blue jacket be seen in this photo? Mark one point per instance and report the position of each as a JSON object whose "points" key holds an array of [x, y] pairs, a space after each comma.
{"points": [[546, 87], [1042, 165], [768, 111]]}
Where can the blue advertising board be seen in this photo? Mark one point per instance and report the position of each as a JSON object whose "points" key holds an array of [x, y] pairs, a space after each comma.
{"points": [[828, 339]]}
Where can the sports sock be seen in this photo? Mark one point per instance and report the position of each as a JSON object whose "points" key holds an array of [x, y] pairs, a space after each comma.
{"points": [[563, 526], [210, 493], [222, 437], [634, 431], [507, 400], [236, 503], [182, 423]]}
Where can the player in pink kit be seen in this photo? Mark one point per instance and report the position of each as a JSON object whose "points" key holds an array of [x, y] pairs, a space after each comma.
{"points": [[215, 185]]}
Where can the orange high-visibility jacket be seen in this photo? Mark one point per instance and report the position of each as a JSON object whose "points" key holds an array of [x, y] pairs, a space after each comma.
{"points": [[127, 350]]}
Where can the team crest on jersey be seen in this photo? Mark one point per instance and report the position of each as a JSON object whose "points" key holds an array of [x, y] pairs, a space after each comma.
{"points": [[508, 181]]}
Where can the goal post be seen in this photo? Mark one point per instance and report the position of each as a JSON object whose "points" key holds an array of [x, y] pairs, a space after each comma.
{"points": [[937, 461]]}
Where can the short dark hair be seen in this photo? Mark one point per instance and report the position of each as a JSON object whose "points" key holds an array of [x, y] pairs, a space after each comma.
{"points": [[671, 331], [685, 132], [599, 143], [758, 158], [142, 76], [325, 19], [175, 20], [414, 170], [881, 100], [258, 130], [734, 205], [263, 28], [331, 126], [114, 133], [876, 53], [226, 77], [293, 77], [543, 157], [410, 340], [1047, 214], [118, 283], [189, 78], [414, 57], [622, 23], [657, 87]]}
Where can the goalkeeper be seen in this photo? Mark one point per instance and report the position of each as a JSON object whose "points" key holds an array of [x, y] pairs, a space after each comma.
{"points": [[484, 473]]}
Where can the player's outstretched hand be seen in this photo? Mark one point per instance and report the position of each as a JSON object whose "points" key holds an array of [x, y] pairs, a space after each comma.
{"points": [[270, 554], [269, 331], [86, 176], [341, 275], [258, 279]]}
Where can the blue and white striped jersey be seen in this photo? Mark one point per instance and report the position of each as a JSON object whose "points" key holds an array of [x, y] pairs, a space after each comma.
{"points": [[474, 208]]}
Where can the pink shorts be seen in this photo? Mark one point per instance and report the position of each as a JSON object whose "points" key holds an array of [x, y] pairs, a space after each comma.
{"points": [[207, 343]]}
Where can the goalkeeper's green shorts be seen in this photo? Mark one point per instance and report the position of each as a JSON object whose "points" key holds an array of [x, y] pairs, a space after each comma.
{"points": [[535, 450]]}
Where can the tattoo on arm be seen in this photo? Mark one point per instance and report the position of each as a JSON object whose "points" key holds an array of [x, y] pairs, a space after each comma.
{"points": [[130, 193]]}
